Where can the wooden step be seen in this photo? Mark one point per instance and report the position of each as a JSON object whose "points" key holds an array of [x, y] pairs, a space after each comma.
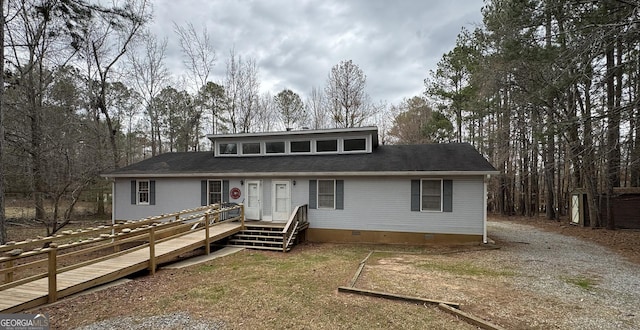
{"points": [[271, 248], [243, 234], [258, 237], [253, 241], [274, 227], [262, 232], [264, 237]]}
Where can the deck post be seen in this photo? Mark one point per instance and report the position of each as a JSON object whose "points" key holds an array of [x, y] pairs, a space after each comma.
{"points": [[152, 250], [8, 276], [242, 214], [53, 274], [116, 247], [207, 246]]}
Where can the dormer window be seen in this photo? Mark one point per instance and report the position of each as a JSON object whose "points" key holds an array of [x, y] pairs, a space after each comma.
{"points": [[355, 144], [251, 148], [275, 147], [357, 140], [228, 149], [327, 146], [300, 146]]}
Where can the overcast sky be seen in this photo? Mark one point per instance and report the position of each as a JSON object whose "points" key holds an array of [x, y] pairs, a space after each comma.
{"points": [[295, 43]]}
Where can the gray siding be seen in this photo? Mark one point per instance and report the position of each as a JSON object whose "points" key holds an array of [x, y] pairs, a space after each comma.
{"points": [[171, 195], [382, 204]]}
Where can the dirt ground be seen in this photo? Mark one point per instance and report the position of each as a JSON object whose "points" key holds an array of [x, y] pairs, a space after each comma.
{"points": [[298, 290]]}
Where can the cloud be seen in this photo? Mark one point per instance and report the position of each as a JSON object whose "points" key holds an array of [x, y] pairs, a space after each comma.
{"points": [[295, 43]]}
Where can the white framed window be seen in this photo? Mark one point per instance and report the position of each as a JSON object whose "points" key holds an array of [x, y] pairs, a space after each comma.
{"points": [[251, 148], [276, 147], [214, 191], [326, 194], [142, 192], [228, 149], [327, 145], [297, 147], [354, 144], [431, 195]]}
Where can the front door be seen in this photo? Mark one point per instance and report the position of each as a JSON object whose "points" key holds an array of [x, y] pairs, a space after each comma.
{"points": [[281, 200], [253, 205]]}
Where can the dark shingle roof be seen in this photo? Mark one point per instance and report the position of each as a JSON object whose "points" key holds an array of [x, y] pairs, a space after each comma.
{"points": [[452, 157]]}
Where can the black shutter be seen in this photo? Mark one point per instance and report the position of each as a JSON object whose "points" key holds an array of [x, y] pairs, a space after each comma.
{"points": [[339, 194], [225, 191], [203, 192], [152, 192], [447, 196], [134, 198], [415, 195], [313, 194]]}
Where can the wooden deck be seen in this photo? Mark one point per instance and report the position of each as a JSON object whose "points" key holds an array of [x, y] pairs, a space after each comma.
{"points": [[35, 293]]}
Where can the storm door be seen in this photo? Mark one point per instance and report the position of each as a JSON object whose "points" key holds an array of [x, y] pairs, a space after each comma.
{"points": [[281, 200]]}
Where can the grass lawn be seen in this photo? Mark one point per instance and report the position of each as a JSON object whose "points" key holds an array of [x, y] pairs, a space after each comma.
{"points": [[259, 290]]}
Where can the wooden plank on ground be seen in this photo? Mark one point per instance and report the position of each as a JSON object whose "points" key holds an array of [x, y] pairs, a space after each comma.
{"points": [[359, 271], [470, 318], [393, 296]]}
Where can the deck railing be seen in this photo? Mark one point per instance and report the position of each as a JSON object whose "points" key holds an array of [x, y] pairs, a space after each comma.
{"points": [[45, 251], [298, 217]]}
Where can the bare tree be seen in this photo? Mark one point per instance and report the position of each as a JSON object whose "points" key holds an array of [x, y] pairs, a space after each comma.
{"points": [[3, 228], [241, 89], [149, 75], [316, 106], [266, 118], [199, 58], [106, 42], [198, 51], [249, 93], [346, 95], [409, 122], [35, 41]]}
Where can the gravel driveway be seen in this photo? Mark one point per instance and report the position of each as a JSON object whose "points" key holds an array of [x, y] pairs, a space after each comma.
{"points": [[552, 266]]}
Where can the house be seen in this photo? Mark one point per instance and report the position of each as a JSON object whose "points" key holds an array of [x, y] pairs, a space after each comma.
{"points": [[356, 189]]}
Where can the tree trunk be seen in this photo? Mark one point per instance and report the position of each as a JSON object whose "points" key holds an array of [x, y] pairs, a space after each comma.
{"points": [[100, 207], [535, 181], [613, 130], [589, 175], [36, 145], [634, 162], [549, 176], [3, 228], [102, 105]]}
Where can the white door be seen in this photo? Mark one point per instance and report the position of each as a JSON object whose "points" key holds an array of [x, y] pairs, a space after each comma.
{"points": [[281, 201], [252, 205], [575, 208]]}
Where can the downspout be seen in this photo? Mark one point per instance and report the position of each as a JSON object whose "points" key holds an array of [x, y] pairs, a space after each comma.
{"points": [[113, 202], [113, 206], [484, 209]]}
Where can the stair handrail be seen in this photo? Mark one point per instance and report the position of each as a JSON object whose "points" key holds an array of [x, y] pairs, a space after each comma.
{"points": [[298, 216]]}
